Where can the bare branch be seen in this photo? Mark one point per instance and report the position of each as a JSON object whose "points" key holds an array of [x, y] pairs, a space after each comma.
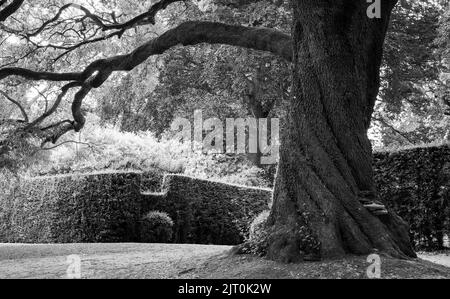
{"points": [[145, 18], [57, 124], [34, 75], [385, 123], [118, 29], [67, 142], [22, 110], [55, 106]]}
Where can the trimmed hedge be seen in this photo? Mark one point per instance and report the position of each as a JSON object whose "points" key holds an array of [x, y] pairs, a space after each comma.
{"points": [[108, 207], [207, 212], [152, 180], [416, 184], [104, 207]]}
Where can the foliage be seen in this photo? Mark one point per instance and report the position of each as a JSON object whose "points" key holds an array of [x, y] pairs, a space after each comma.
{"points": [[101, 148], [17, 149], [46, 50], [443, 39], [156, 227], [222, 81], [411, 108], [415, 184], [257, 241]]}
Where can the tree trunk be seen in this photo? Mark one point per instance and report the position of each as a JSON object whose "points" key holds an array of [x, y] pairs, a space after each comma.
{"points": [[325, 155]]}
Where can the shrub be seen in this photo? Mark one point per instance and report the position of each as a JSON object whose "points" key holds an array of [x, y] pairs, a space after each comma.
{"points": [[108, 148], [257, 240], [224, 168], [156, 227], [257, 227]]}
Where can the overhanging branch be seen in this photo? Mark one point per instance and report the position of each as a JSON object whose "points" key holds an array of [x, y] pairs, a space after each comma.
{"points": [[188, 33]]}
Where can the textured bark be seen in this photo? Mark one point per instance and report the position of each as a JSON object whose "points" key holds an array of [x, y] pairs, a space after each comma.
{"points": [[325, 156]]}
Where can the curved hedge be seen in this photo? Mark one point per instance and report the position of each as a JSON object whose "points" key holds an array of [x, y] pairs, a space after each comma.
{"points": [[208, 212], [108, 207], [416, 184]]}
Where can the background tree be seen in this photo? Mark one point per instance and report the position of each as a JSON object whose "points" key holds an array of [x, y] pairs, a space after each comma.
{"points": [[410, 109], [223, 81]]}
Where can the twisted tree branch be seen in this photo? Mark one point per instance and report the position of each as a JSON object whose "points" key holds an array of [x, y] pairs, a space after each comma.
{"points": [[188, 33]]}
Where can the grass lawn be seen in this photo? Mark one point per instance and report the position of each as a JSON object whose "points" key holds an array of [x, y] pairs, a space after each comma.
{"points": [[191, 261]]}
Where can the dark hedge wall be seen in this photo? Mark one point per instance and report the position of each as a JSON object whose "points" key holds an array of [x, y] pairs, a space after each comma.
{"points": [[152, 180], [80, 208], [207, 212], [416, 184], [107, 207]]}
